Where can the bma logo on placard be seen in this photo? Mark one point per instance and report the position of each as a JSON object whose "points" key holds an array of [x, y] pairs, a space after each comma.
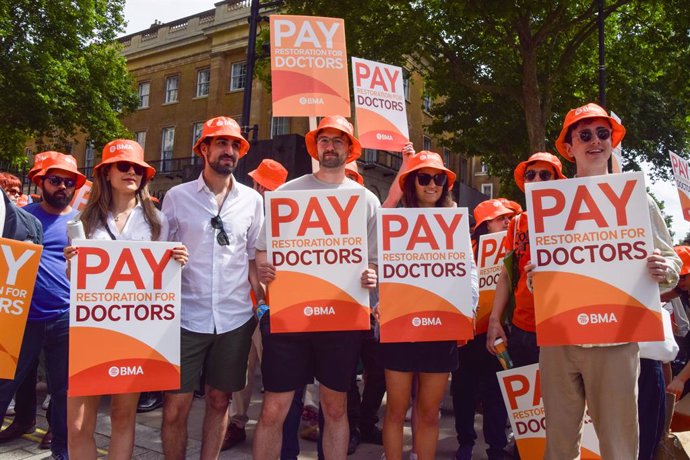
{"points": [[583, 319], [432, 321], [326, 310], [123, 371]]}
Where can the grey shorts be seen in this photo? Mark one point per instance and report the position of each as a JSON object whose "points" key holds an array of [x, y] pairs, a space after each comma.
{"points": [[222, 357]]}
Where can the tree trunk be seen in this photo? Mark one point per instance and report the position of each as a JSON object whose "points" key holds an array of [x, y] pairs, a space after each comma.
{"points": [[531, 100]]}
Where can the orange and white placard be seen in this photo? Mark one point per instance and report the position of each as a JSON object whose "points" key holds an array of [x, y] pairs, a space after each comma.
{"points": [[589, 239], [18, 268], [380, 105], [489, 264], [682, 175], [81, 196], [309, 74], [317, 241], [124, 318], [617, 153], [425, 287], [522, 396]]}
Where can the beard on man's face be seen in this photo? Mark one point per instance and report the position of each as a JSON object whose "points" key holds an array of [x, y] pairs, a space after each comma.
{"points": [[59, 199]]}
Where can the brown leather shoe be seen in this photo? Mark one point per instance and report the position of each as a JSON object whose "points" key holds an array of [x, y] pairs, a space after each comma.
{"points": [[234, 436], [16, 430], [47, 440]]}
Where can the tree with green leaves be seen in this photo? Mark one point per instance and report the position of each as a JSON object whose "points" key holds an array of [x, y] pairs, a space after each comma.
{"points": [[62, 72], [504, 74]]}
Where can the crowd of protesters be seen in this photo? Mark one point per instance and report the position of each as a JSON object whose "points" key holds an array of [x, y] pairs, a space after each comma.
{"points": [[225, 314]]}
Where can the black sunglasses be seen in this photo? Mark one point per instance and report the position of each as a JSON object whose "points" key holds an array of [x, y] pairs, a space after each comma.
{"points": [[543, 175], [123, 167], [57, 180], [221, 237], [439, 179], [586, 135]]}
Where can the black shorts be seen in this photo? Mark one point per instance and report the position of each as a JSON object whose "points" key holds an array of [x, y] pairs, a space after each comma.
{"points": [[420, 356], [292, 360]]}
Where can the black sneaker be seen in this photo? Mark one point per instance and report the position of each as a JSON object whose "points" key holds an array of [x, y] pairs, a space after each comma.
{"points": [[355, 439], [372, 435]]}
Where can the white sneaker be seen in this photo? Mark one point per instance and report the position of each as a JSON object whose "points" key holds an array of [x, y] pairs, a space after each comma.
{"points": [[46, 402], [10, 408]]}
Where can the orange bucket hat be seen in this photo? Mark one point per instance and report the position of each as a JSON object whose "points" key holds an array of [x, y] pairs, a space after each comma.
{"points": [[337, 122], [426, 159], [519, 173], [59, 161], [39, 158], [125, 150], [489, 210], [590, 110], [512, 205], [354, 174], [269, 174], [684, 254], [222, 127]]}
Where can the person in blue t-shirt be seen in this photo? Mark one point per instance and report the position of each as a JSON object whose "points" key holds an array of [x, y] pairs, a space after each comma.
{"points": [[47, 328]]}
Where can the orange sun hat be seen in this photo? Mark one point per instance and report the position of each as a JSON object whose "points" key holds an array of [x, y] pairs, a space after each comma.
{"points": [[489, 210], [684, 254], [222, 127], [125, 150], [519, 173], [269, 174], [39, 158], [590, 110], [61, 161], [337, 122], [352, 171], [426, 159]]}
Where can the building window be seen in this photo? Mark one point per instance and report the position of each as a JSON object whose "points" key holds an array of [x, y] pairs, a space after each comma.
{"points": [[140, 138], [446, 156], [167, 143], [426, 103], [196, 133], [88, 158], [203, 78], [238, 76], [369, 156], [171, 86], [280, 126], [426, 144], [406, 84], [483, 169], [488, 190], [144, 90]]}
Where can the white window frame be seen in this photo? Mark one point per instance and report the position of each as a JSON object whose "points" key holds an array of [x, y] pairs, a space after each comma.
{"points": [[144, 94], [488, 189], [426, 103], [140, 138], [406, 84], [172, 90], [167, 147], [238, 76], [203, 82], [197, 127], [483, 169], [280, 126]]}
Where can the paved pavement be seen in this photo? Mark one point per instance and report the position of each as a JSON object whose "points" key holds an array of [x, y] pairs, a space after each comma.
{"points": [[148, 442]]}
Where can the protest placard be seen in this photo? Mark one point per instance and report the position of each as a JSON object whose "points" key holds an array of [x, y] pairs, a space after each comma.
{"points": [[309, 66], [379, 105], [682, 175], [589, 239], [522, 396], [81, 196], [617, 153], [124, 318], [425, 287], [18, 268], [317, 241], [489, 264]]}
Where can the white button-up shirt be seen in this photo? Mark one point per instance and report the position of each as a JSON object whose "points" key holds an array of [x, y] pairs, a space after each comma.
{"points": [[215, 283], [136, 228]]}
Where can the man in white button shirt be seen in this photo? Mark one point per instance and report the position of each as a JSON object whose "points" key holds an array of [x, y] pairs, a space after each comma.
{"points": [[292, 360], [218, 219]]}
